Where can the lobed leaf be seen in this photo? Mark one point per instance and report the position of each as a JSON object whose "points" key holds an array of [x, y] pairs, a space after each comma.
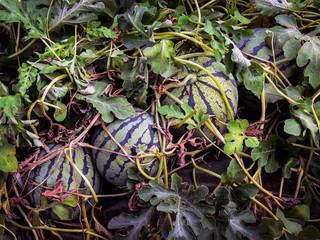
{"points": [[309, 56], [191, 212], [273, 7], [108, 107], [237, 135], [161, 57], [139, 223]]}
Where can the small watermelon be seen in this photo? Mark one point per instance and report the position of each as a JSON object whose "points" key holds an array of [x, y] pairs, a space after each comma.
{"points": [[256, 45], [49, 172], [205, 94], [134, 134]]}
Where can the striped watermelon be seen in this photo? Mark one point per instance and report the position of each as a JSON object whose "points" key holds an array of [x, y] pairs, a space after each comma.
{"points": [[204, 93], [134, 134], [56, 169], [257, 46]]}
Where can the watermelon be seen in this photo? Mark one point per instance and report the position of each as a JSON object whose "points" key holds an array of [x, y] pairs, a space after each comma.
{"points": [[49, 172], [134, 134], [205, 94], [256, 45]]}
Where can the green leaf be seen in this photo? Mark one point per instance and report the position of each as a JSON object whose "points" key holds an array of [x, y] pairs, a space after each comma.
{"points": [[8, 161], [294, 92], [292, 126], [273, 7], [273, 154], [71, 201], [174, 111], [286, 169], [309, 233], [237, 55], [136, 79], [290, 225], [10, 104], [309, 56], [132, 41], [4, 90], [237, 226], [190, 211], [134, 17], [138, 223], [60, 115], [30, 14], [241, 18], [94, 30], [161, 57], [253, 78], [234, 173], [306, 119], [291, 48], [82, 11], [28, 75], [252, 142], [301, 212], [290, 30], [236, 136], [243, 192], [273, 227], [107, 106], [62, 211], [271, 95]]}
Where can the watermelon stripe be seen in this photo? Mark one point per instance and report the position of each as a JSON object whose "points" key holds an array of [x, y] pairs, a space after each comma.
{"points": [[96, 134], [191, 98], [209, 86], [256, 49], [71, 172], [39, 169], [209, 109]]}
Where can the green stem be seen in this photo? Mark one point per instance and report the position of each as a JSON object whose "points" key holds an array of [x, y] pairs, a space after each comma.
{"points": [[281, 187], [264, 207], [23, 49], [204, 170], [57, 229], [207, 4], [186, 118], [191, 55], [199, 17], [309, 160], [255, 182], [186, 37], [278, 91]]}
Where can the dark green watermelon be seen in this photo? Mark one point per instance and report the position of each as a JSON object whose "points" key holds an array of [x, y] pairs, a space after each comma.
{"points": [[134, 134], [205, 94], [257, 45], [56, 169]]}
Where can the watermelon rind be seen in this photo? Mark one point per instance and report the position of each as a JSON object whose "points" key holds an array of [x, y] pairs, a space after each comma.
{"points": [[135, 134], [205, 94], [59, 168]]}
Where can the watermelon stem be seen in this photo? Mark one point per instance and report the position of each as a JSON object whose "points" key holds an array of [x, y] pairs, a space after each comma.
{"points": [[205, 170], [192, 77], [142, 172]]}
